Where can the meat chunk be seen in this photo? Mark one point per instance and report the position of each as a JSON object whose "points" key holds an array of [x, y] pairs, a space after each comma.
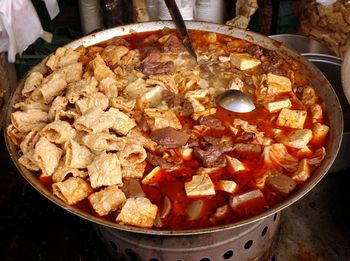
{"points": [[158, 161], [246, 136], [173, 45], [247, 150], [281, 184], [143, 125], [138, 212], [157, 67], [254, 50], [117, 40], [169, 137], [211, 122], [210, 157], [152, 65], [132, 188], [186, 108]]}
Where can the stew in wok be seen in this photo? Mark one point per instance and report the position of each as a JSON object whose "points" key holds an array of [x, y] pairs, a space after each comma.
{"points": [[129, 129]]}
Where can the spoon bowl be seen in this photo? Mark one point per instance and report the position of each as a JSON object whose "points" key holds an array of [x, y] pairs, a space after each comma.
{"points": [[235, 101]]}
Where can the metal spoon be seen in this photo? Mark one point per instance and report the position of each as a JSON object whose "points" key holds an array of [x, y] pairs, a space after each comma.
{"points": [[235, 101]]}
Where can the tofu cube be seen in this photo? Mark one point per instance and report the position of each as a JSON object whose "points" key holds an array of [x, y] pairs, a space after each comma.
{"points": [[248, 203], [233, 164], [228, 186], [316, 112], [234, 130], [291, 118], [153, 176], [209, 171], [186, 153], [278, 105], [278, 84], [303, 172], [299, 139], [244, 61], [320, 131], [281, 184], [200, 185]]}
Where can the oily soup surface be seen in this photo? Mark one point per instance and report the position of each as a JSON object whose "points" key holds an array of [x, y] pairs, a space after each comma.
{"points": [[128, 130]]}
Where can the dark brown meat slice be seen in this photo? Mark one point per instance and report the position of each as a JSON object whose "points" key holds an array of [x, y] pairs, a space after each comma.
{"points": [[254, 50], [210, 157], [211, 122], [152, 65], [224, 144], [273, 58], [247, 150], [173, 45], [193, 143], [150, 68], [143, 124], [272, 69], [246, 136], [158, 161], [204, 67], [281, 184], [168, 96], [186, 108], [152, 56], [212, 140], [169, 137], [117, 41]]}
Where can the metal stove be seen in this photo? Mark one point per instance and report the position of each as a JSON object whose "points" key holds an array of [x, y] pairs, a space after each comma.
{"points": [[255, 242]]}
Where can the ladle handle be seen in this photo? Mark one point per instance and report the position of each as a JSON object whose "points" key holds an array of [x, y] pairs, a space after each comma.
{"points": [[180, 26]]}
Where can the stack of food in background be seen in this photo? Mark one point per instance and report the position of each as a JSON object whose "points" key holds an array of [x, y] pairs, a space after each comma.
{"points": [[329, 23]]}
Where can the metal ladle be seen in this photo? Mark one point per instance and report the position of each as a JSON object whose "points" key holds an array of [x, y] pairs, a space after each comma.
{"points": [[232, 100], [235, 101]]}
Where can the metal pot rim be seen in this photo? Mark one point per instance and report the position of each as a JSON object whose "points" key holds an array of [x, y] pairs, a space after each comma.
{"points": [[314, 74]]}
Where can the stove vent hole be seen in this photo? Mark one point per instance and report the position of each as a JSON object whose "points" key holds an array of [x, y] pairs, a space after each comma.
{"points": [[131, 254], [228, 254], [154, 259], [205, 259], [248, 244], [263, 232], [274, 217], [273, 258], [113, 245]]}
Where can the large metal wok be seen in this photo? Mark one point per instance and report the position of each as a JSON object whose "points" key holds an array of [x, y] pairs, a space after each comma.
{"points": [[311, 72]]}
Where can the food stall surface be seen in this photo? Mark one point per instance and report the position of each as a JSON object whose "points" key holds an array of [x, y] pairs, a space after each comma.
{"points": [[317, 227]]}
